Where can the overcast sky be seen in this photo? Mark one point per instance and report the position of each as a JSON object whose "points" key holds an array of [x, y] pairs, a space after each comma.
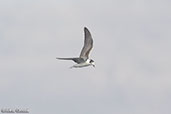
{"points": [[132, 52]]}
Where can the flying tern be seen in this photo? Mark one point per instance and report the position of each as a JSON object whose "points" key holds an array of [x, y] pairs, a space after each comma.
{"points": [[83, 60]]}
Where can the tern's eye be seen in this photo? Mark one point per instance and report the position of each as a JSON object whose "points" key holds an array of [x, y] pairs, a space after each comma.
{"points": [[91, 61]]}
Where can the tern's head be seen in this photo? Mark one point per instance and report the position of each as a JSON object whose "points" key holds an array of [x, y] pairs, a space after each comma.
{"points": [[92, 62]]}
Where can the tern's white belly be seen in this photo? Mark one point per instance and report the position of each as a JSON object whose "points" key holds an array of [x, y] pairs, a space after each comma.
{"points": [[81, 65]]}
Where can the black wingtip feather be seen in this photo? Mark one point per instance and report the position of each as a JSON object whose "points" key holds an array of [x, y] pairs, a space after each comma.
{"points": [[85, 28]]}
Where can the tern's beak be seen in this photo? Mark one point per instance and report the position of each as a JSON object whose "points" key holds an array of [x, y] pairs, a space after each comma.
{"points": [[93, 64]]}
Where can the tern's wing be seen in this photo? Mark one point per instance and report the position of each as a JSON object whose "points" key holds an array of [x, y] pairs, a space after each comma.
{"points": [[77, 60], [88, 44]]}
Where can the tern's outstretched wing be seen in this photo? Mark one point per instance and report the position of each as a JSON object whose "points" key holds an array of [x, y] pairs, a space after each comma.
{"points": [[77, 60], [88, 44]]}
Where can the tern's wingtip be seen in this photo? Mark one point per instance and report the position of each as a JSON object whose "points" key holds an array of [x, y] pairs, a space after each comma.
{"points": [[85, 28], [58, 58]]}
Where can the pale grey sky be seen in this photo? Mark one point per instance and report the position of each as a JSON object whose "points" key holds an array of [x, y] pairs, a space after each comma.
{"points": [[132, 51]]}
